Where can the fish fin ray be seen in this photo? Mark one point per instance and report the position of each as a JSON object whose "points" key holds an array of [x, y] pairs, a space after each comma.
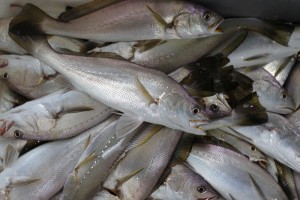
{"points": [[234, 44], [124, 179], [159, 19], [126, 124], [11, 155], [143, 46], [70, 187], [86, 160], [145, 92], [20, 181], [85, 9], [257, 57]]}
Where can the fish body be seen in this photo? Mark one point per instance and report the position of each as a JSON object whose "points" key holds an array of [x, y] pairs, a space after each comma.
{"points": [[183, 183], [152, 19], [142, 94], [233, 175], [294, 118], [135, 176], [292, 84], [41, 173], [8, 98], [56, 116], [277, 138]]}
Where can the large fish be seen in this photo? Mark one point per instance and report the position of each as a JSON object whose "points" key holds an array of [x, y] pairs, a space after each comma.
{"points": [[292, 84], [8, 98], [277, 138], [128, 20], [56, 116], [233, 175], [41, 173], [142, 94]]}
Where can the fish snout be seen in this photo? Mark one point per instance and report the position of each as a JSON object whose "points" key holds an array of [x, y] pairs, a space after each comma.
{"points": [[5, 126]]}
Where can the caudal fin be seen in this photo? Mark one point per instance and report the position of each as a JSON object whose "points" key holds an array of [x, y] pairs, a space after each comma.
{"points": [[29, 21]]}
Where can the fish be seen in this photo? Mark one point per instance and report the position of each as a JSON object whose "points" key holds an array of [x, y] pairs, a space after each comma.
{"points": [[170, 55], [281, 68], [26, 75], [297, 181], [292, 84], [152, 19], [136, 175], [8, 98], [294, 118], [277, 138], [184, 183], [142, 94], [242, 146], [258, 50], [233, 175], [95, 164], [56, 116], [46, 167], [105, 195], [216, 106], [271, 94]]}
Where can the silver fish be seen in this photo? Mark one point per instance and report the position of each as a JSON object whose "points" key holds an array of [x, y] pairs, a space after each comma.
{"points": [[216, 106], [242, 146], [297, 181], [170, 55], [294, 118], [142, 94], [233, 175], [41, 173], [150, 18], [95, 163], [292, 84], [137, 173], [183, 183], [277, 138], [258, 49], [105, 195], [271, 94], [56, 116]]}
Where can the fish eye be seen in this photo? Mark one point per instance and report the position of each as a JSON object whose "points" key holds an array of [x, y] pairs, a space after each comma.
{"points": [[207, 16], [18, 134], [283, 95], [252, 148], [214, 108], [5, 75], [201, 189], [195, 110]]}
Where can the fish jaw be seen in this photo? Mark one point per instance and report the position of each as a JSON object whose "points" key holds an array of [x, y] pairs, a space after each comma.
{"points": [[5, 126], [215, 27]]}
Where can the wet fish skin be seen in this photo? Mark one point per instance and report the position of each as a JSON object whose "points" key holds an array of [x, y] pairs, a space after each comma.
{"points": [[143, 94], [59, 157], [231, 173], [292, 84], [105, 195], [271, 94], [135, 176], [89, 174], [294, 118], [277, 138], [183, 183], [8, 98], [167, 20], [48, 119]]}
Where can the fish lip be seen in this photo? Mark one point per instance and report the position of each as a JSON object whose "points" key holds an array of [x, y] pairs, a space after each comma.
{"points": [[5, 126], [195, 123], [260, 160], [209, 198], [215, 27]]}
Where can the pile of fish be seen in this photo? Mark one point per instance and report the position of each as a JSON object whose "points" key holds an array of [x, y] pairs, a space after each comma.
{"points": [[148, 99]]}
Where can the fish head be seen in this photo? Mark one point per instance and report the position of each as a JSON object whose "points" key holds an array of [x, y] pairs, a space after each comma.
{"points": [[274, 97], [183, 112], [217, 106], [197, 21]]}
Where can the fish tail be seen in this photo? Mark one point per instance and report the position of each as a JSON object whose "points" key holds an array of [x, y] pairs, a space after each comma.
{"points": [[29, 21]]}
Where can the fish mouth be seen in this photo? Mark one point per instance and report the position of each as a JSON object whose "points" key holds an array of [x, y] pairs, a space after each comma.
{"points": [[215, 27], [208, 198], [261, 161], [5, 126], [196, 124]]}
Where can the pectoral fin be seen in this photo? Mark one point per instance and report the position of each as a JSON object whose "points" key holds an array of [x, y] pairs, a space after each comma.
{"points": [[129, 176], [88, 159], [145, 92], [11, 155], [143, 46], [159, 19], [257, 189], [21, 180], [70, 187], [126, 124]]}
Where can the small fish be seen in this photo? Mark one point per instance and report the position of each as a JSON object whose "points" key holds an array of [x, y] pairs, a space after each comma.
{"points": [[126, 87], [277, 138], [56, 116], [271, 94], [183, 183], [231, 173], [46, 166], [8, 98], [167, 20], [136, 175], [216, 106]]}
